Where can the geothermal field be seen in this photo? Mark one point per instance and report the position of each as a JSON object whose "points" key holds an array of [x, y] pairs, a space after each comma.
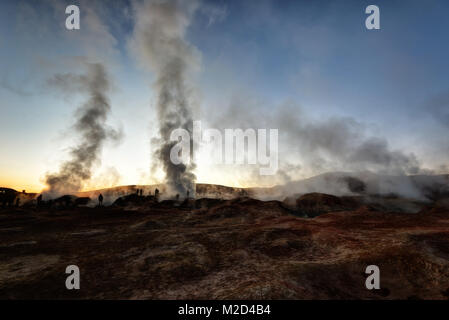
{"points": [[236, 150], [305, 246]]}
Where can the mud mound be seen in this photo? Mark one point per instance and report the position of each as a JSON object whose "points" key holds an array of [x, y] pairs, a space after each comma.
{"points": [[83, 201], [314, 204], [207, 203], [7, 196], [64, 201], [134, 200]]}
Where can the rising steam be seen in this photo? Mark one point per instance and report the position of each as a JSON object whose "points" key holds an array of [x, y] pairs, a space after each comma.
{"points": [[159, 42], [90, 126]]}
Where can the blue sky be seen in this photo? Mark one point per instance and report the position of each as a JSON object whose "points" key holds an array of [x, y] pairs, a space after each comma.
{"points": [[316, 55]]}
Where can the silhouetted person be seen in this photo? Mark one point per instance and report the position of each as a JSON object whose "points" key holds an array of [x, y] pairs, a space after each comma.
{"points": [[177, 196], [156, 194], [188, 194], [141, 192], [100, 200], [39, 200], [17, 201]]}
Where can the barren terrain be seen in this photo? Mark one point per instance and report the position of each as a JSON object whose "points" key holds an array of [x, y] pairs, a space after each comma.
{"points": [[224, 249]]}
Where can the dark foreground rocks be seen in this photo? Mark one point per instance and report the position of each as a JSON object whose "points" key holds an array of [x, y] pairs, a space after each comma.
{"points": [[235, 249]]}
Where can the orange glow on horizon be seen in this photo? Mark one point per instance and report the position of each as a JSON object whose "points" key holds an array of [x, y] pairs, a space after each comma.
{"points": [[32, 181], [19, 185]]}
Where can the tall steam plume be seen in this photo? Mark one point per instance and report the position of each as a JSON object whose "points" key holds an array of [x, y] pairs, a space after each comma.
{"points": [[159, 41], [90, 125]]}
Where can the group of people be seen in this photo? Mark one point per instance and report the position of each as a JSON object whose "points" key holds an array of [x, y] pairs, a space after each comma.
{"points": [[139, 192]]}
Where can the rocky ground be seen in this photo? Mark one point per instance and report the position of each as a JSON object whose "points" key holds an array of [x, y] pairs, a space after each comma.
{"points": [[225, 249]]}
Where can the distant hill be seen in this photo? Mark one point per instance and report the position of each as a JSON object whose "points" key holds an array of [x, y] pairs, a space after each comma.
{"points": [[202, 191], [419, 187]]}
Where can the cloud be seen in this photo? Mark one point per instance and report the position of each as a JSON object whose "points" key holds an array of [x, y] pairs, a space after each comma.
{"points": [[439, 107], [214, 13], [14, 88], [309, 146]]}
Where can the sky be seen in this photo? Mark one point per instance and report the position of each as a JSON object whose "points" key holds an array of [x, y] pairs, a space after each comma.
{"points": [[342, 97]]}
